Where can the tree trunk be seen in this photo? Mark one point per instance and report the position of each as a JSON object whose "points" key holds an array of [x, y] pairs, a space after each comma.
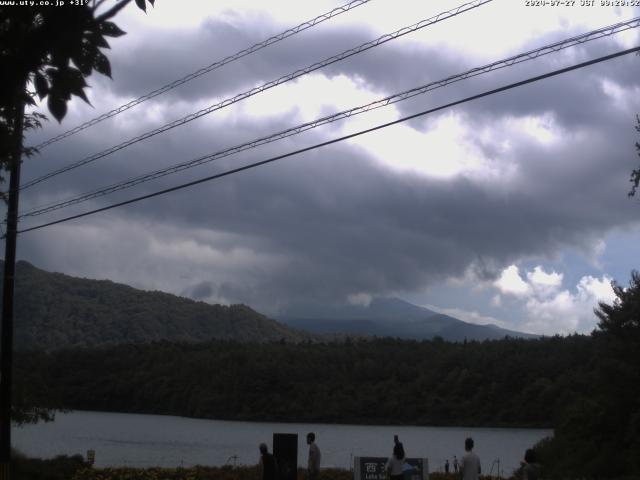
{"points": [[6, 335]]}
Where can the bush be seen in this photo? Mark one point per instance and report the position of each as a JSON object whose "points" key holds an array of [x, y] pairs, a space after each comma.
{"points": [[62, 467]]}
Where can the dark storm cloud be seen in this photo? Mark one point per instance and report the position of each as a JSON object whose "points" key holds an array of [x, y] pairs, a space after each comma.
{"points": [[347, 226], [145, 64], [333, 222], [390, 68]]}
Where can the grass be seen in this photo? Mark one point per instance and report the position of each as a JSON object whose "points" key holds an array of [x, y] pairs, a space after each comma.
{"points": [[76, 468]]}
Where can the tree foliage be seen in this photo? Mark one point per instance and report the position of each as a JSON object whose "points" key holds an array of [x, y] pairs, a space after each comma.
{"points": [[61, 467], [635, 174], [599, 434], [622, 318], [509, 382], [49, 51]]}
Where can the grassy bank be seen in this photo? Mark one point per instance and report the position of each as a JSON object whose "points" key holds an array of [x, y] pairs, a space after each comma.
{"points": [[211, 473], [75, 468]]}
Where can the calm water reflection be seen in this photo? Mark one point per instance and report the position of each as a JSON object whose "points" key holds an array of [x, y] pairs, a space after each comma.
{"points": [[146, 440]]}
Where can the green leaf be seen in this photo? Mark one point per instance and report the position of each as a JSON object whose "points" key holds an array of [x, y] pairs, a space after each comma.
{"points": [[57, 106], [83, 96], [98, 40], [84, 61], [101, 64], [41, 84], [110, 29], [142, 5], [73, 82], [74, 79]]}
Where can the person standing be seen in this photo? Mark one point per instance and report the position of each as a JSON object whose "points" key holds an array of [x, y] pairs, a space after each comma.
{"points": [[313, 464], [396, 441], [267, 466], [446, 466], [395, 463], [531, 467], [455, 464], [470, 463]]}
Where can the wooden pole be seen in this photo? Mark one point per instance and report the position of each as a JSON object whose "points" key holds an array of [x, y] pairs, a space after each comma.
{"points": [[6, 323]]}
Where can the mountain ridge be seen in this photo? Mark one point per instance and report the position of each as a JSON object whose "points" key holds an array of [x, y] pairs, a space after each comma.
{"points": [[55, 311], [391, 316]]}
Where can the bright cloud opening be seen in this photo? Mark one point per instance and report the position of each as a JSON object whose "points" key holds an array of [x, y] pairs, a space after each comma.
{"points": [[442, 152], [311, 96], [510, 282], [548, 307]]}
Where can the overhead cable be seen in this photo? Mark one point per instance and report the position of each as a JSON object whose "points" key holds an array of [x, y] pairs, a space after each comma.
{"points": [[519, 58], [187, 78], [286, 78], [336, 140]]}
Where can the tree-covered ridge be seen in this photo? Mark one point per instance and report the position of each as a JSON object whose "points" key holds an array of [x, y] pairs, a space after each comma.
{"points": [[383, 381], [59, 311]]}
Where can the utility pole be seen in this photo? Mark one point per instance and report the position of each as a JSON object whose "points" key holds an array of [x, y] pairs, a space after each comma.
{"points": [[6, 324]]}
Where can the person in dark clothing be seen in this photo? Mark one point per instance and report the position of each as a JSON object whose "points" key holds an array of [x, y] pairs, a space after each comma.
{"points": [[531, 467], [398, 443], [268, 465]]}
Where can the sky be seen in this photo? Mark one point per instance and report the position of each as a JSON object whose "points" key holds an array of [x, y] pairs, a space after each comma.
{"points": [[511, 209]]}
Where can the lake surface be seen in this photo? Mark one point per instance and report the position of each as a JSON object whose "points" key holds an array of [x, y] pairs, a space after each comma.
{"points": [[153, 440]]}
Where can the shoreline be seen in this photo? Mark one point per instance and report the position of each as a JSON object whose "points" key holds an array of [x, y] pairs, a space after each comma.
{"points": [[317, 422]]}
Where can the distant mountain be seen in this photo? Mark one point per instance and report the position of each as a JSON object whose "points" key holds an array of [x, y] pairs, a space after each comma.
{"points": [[391, 317], [54, 311]]}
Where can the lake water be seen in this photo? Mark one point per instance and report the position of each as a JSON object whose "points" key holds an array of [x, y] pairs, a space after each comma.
{"points": [[153, 440]]}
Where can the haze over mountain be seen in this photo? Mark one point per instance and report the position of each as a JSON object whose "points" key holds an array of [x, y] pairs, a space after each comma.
{"points": [[388, 316], [54, 311]]}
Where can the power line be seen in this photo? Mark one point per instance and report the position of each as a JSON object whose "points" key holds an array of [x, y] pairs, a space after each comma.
{"points": [[339, 139], [522, 57], [286, 78], [231, 58]]}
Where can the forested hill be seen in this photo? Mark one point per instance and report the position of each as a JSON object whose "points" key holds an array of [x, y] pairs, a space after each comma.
{"points": [[54, 311], [509, 382]]}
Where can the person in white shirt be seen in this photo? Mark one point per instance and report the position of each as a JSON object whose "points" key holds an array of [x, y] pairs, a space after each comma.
{"points": [[395, 463], [313, 465], [470, 462]]}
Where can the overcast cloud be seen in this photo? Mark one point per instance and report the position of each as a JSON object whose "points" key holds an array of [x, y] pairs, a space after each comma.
{"points": [[453, 201]]}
